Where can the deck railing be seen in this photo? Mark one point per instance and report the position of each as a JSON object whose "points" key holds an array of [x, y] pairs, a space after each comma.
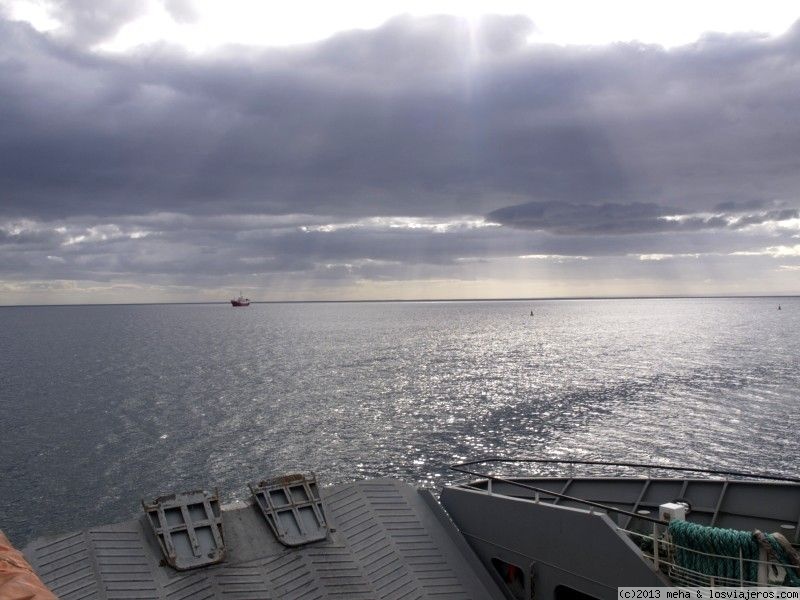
{"points": [[664, 555], [657, 546], [469, 468]]}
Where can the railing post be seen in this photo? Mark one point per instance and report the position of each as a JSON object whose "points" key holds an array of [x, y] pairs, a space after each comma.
{"points": [[741, 569], [655, 545]]}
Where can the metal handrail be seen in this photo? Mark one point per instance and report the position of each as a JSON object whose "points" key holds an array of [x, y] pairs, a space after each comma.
{"points": [[665, 561], [565, 497], [664, 542], [462, 468], [498, 459]]}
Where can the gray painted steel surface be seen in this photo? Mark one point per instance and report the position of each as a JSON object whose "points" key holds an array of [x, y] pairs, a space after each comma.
{"points": [[187, 527], [552, 546], [387, 540], [390, 540], [556, 541], [292, 506], [730, 503]]}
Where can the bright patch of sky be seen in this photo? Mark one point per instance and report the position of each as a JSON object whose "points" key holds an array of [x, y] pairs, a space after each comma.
{"points": [[402, 223], [200, 25]]}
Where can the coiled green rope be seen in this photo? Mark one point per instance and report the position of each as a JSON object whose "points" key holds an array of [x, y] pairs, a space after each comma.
{"points": [[725, 544]]}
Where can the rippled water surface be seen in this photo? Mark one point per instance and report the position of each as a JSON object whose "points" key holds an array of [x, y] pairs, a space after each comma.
{"points": [[102, 405]]}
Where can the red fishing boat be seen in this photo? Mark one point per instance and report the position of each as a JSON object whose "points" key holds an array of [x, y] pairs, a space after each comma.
{"points": [[240, 301]]}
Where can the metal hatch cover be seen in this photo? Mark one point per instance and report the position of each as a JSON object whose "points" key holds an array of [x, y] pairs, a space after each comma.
{"points": [[293, 508], [188, 527]]}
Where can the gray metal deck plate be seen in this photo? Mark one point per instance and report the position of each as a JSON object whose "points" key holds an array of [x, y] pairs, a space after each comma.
{"points": [[387, 543]]}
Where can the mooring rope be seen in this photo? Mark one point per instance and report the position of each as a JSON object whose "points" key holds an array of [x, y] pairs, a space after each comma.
{"points": [[695, 542]]}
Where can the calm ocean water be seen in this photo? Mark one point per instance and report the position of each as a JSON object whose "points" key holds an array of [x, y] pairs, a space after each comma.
{"points": [[103, 405]]}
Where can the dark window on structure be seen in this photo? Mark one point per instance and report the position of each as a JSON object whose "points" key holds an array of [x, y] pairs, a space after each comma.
{"points": [[512, 576], [563, 592]]}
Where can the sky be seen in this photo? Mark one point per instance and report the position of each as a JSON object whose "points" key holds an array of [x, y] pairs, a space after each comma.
{"points": [[179, 150]]}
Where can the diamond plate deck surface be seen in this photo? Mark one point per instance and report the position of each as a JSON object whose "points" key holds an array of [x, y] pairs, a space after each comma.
{"points": [[386, 543]]}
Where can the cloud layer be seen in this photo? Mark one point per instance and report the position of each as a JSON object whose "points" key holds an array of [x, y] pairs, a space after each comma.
{"points": [[423, 142]]}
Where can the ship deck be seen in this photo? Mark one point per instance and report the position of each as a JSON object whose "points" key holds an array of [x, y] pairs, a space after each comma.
{"points": [[387, 540]]}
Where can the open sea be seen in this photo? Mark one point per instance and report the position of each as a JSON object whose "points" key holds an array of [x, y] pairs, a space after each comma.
{"points": [[101, 406]]}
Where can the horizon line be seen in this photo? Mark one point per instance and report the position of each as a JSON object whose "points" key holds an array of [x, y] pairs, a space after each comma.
{"points": [[420, 300]]}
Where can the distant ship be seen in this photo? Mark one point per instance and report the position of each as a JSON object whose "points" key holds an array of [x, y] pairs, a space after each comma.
{"points": [[240, 301]]}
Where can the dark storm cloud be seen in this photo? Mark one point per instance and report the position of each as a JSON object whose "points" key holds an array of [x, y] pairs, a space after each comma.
{"points": [[731, 206], [161, 166], [209, 250], [564, 217], [418, 117], [618, 219]]}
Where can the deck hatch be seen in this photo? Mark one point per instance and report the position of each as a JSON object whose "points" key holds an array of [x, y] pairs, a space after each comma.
{"points": [[188, 527], [292, 506]]}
